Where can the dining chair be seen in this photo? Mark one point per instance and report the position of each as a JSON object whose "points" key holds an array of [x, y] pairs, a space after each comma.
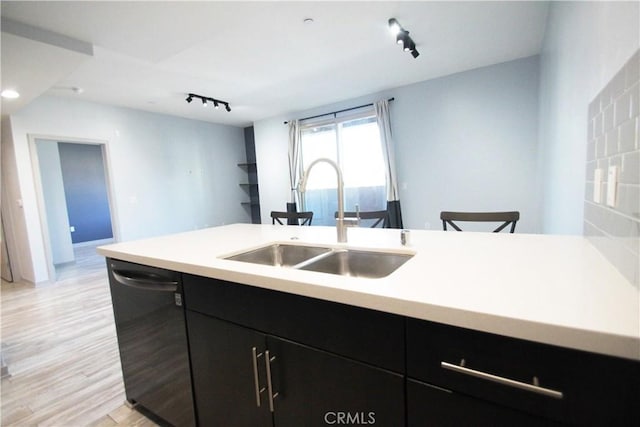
{"points": [[374, 218], [300, 218], [507, 218]]}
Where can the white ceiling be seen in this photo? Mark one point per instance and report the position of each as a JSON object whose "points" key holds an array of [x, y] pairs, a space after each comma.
{"points": [[259, 56]]}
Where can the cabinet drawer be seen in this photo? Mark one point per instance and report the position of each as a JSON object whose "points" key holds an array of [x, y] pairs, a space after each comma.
{"points": [[432, 406], [558, 383], [366, 335]]}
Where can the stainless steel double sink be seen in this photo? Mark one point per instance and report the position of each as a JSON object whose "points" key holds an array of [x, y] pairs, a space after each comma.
{"points": [[340, 261]]}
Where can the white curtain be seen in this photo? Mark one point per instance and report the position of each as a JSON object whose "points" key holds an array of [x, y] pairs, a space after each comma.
{"points": [[393, 195], [384, 125], [295, 163]]}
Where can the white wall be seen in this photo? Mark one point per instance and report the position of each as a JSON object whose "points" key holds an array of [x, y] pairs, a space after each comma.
{"points": [[585, 44], [463, 142], [168, 174]]}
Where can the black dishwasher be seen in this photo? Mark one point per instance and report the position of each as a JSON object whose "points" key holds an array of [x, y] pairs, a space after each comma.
{"points": [[152, 337]]}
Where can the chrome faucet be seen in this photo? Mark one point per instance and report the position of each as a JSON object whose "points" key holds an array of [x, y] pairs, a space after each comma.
{"points": [[340, 226]]}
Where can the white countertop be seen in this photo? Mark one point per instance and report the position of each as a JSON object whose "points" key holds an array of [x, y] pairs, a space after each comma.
{"points": [[551, 289]]}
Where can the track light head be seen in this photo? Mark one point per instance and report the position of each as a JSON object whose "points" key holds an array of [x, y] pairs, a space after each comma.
{"points": [[402, 37], [204, 102], [409, 45], [415, 53], [227, 107], [215, 104], [394, 26]]}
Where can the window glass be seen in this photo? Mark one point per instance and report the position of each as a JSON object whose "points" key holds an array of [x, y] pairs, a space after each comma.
{"points": [[354, 143]]}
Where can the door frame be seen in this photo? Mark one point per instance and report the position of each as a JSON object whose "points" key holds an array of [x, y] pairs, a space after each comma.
{"points": [[37, 179]]}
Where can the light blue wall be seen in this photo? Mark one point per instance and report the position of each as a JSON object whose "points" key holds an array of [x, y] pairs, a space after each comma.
{"points": [[54, 200], [585, 45], [463, 142], [168, 174], [467, 142]]}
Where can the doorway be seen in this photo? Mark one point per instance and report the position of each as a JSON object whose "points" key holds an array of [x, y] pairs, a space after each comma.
{"points": [[75, 202]]}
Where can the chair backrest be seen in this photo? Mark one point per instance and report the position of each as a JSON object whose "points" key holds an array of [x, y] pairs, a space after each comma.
{"points": [[378, 218], [507, 218], [300, 218]]}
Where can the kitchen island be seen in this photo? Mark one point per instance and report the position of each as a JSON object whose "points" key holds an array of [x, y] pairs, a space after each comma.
{"points": [[525, 298]]}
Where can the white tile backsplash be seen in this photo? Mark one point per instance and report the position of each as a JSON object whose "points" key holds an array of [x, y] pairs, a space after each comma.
{"points": [[613, 128]]}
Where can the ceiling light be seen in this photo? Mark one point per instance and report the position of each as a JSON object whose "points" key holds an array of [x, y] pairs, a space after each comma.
{"points": [[308, 21], [402, 37], [207, 100], [9, 94]]}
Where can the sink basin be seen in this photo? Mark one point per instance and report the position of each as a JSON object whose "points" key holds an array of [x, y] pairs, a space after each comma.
{"points": [[340, 261], [280, 255], [357, 263]]}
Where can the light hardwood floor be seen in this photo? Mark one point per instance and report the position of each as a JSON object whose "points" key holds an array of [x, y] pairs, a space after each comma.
{"points": [[59, 344]]}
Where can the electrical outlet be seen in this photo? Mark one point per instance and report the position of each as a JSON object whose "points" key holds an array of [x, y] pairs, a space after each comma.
{"points": [[612, 186], [597, 186]]}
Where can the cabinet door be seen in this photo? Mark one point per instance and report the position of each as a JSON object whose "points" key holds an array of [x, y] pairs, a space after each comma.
{"points": [[224, 379], [436, 407], [316, 388]]}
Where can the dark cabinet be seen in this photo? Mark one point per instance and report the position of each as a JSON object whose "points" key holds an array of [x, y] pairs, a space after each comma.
{"points": [[369, 336], [224, 373], [244, 378], [268, 358], [565, 385], [432, 406], [315, 388]]}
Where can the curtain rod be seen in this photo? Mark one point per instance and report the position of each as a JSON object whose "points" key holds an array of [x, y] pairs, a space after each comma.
{"points": [[339, 111]]}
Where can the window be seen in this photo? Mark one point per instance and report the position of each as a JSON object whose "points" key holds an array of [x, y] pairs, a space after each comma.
{"points": [[353, 142]]}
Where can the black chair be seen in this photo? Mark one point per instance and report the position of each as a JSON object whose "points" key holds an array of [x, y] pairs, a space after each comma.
{"points": [[505, 217], [300, 218], [378, 218]]}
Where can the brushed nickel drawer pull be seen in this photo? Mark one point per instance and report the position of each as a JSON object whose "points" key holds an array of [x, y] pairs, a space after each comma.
{"points": [[268, 359], [534, 388], [256, 380]]}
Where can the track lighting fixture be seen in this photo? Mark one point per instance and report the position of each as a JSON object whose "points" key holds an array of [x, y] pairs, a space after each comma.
{"points": [[402, 37], [207, 100]]}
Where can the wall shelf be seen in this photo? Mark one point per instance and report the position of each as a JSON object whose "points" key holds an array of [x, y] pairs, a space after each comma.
{"points": [[250, 166]]}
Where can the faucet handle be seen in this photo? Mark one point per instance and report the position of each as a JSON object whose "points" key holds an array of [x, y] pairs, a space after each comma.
{"points": [[351, 221]]}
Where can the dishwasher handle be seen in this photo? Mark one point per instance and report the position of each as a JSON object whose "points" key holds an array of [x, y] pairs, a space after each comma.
{"points": [[147, 282]]}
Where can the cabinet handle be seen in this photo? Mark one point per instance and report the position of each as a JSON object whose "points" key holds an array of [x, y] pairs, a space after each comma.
{"points": [[256, 380], [268, 359], [534, 388]]}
